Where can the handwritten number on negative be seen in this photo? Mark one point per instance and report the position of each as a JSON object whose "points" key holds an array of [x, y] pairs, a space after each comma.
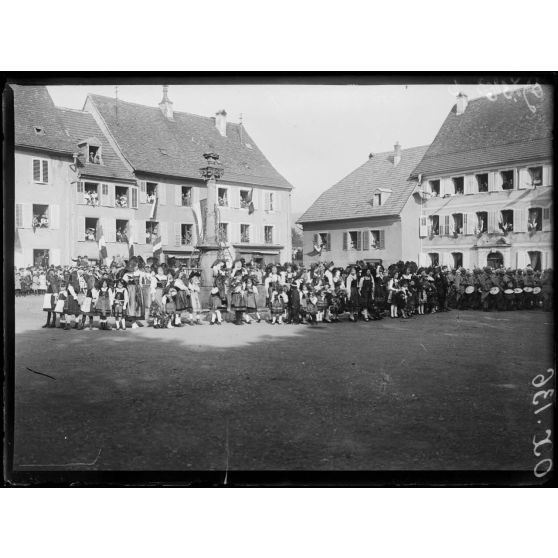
{"points": [[540, 383], [546, 440]]}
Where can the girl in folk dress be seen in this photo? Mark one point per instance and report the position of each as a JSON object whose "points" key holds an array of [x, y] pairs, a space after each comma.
{"points": [[61, 304], [393, 287], [194, 288], [238, 301], [50, 299], [352, 295], [88, 304], [251, 296], [215, 306], [311, 306], [182, 299], [120, 304], [104, 303], [277, 308], [148, 285], [131, 279], [35, 283], [162, 280], [42, 283], [72, 306], [169, 308], [366, 293]]}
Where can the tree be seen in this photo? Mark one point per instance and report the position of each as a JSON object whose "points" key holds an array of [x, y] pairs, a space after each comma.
{"points": [[296, 236]]}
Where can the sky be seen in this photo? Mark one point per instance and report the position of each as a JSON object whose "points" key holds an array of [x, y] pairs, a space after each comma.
{"points": [[314, 135]]}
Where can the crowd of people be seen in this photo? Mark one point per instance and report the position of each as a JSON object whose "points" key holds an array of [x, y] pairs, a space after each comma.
{"points": [[137, 293]]}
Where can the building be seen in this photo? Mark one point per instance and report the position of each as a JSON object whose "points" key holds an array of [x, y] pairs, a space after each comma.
{"points": [[43, 171], [369, 215], [486, 183], [164, 150]]}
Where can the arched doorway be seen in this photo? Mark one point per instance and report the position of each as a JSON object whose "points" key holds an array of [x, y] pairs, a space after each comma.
{"points": [[535, 258], [495, 260]]}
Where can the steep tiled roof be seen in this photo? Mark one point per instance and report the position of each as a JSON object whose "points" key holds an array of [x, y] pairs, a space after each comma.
{"points": [[492, 132], [33, 107], [81, 125], [154, 144], [350, 197]]}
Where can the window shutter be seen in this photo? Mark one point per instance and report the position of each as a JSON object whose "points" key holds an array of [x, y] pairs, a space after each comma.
{"points": [[162, 193], [546, 219], [316, 240], [422, 227], [178, 195], [81, 229], [139, 231], [79, 192], [55, 256], [520, 220], [19, 216], [164, 233], [547, 175], [54, 218], [524, 180], [466, 223], [111, 229], [492, 221], [133, 198], [446, 225], [177, 234], [382, 242], [104, 198], [142, 191], [366, 240], [359, 240], [45, 171], [471, 186], [447, 187], [112, 194], [36, 170], [492, 181], [498, 180], [27, 215], [472, 221], [328, 241], [345, 240]]}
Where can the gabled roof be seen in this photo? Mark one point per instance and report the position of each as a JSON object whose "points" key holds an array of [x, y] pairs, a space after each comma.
{"points": [[495, 131], [350, 197], [153, 144], [33, 107], [82, 126]]}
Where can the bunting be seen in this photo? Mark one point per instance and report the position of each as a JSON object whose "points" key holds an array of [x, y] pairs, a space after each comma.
{"points": [[157, 247], [154, 206], [250, 202]]}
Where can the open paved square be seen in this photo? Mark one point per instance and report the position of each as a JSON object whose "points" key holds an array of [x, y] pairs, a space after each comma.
{"points": [[448, 391]]}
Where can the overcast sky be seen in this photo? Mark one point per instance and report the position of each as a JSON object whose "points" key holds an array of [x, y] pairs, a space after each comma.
{"points": [[314, 135]]}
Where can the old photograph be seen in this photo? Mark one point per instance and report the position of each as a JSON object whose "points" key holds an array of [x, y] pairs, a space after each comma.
{"points": [[284, 278]]}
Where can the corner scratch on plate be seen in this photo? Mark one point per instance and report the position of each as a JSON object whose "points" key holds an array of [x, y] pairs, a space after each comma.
{"points": [[75, 464], [227, 453]]}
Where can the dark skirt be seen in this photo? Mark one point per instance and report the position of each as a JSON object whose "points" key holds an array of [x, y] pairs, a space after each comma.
{"points": [[238, 301], [118, 309], [102, 306], [135, 301], [72, 306], [251, 302], [277, 308], [215, 302], [146, 296], [354, 302], [183, 301]]}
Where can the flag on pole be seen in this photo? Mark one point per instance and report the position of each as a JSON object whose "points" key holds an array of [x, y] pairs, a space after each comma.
{"points": [[154, 208], [250, 202], [196, 209], [157, 246], [101, 242]]}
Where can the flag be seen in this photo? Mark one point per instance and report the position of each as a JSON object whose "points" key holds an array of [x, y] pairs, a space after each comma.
{"points": [[154, 208], [196, 209], [101, 242], [250, 202], [316, 251], [131, 242], [157, 247]]}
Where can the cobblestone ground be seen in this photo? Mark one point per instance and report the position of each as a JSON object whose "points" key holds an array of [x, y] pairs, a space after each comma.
{"points": [[449, 391]]}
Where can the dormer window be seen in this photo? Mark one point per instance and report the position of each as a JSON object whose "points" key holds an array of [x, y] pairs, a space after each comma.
{"points": [[94, 154], [378, 199], [434, 187], [459, 185], [380, 196], [536, 174], [91, 151], [39, 130]]}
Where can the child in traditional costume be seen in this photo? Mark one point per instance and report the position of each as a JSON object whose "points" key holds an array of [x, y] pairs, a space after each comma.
{"points": [[120, 304], [251, 297], [194, 288], [277, 308], [215, 306], [88, 304], [238, 302], [104, 303], [169, 308]]}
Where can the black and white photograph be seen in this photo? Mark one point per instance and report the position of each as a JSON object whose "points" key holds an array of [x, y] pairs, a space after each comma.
{"points": [[304, 279]]}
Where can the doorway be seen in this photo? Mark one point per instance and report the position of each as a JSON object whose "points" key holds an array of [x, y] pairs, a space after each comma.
{"points": [[40, 258], [495, 260]]}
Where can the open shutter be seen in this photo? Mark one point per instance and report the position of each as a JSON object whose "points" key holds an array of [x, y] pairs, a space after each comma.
{"points": [[328, 236], [546, 219], [163, 228], [466, 223], [19, 216], [177, 195], [547, 175], [422, 227], [45, 171], [366, 240], [134, 198], [27, 212], [112, 194], [104, 197], [471, 184], [498, 181], [446, 184], [54, 218], [177, 234], [81, 229], [492, 221], [447, 228], [139, 231], [472, 221], [112, 230], [382, 242], [55, 256], [142, 191], [520, 220], [316, 240], [162, 193], [345, 240], [359, 240], [492, 182], [80, 189], [36, 170], [524, 180]]}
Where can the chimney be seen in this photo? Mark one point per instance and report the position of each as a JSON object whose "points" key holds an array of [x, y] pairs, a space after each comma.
{"points": [[462, 101], [396, 154], [166, 105], [221, 122]]}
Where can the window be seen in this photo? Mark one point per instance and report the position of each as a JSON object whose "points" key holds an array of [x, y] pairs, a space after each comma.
{"points": [[535, 259], [40, 257], [244, 233], [459, 185], [434, 187], [40, 216], [434, 258], [244, 199], [91, 193], [375, 239], [505, 221], [457, 259], [507, 180], [353, 239], [186, 235], [325, 241], [121, 230], [91, 228], [223, 232], [186, 196], [40, 171], [482, 182], [223, 197], [434, 225], [151, 231], [268, 234], [378, 199], [482, 222], [94, 154], [151, 191], [120, 195], [536, 174], [457, 223], [534, 222]]}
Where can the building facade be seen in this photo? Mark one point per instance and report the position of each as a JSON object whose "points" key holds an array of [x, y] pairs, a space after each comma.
{"points": [[370, 215], [486, 184]]}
